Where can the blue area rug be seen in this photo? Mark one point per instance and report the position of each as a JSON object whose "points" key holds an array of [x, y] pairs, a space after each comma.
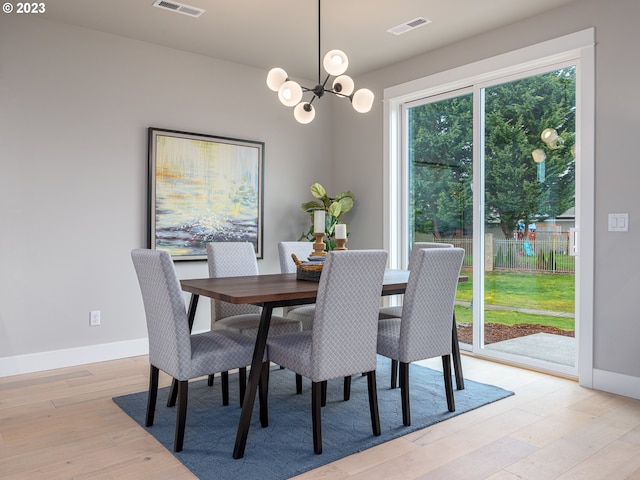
{"points": [[285, 448]]}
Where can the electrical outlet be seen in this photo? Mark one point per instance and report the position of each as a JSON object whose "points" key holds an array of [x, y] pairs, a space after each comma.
{"points": [[94, 318]]}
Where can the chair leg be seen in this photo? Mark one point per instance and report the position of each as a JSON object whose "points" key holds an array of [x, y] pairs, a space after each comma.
{"points": [[153, 395], [298, 384], [457, 362], [324, 393], [173, 394], [347, 388], [263, 390], [181, 415], [225, 388], [404, 393], [448, 383], [210, 380], [373, 402], [243, 383], [394, 374], [316, 413]]}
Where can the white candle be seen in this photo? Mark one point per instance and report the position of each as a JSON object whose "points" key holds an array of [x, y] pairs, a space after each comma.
{"points": [[341, 230], [318, 221]]}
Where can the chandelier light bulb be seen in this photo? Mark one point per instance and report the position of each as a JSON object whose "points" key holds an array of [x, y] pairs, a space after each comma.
{"points": [[538, 155], [290, 93], [362, 100], [335, 62], [276, 78], [304, 112], [551, 138], [343, 85], [549, 135]]}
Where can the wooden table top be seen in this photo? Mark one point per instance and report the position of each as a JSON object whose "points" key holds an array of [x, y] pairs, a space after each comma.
{"points": [[280, 287]]}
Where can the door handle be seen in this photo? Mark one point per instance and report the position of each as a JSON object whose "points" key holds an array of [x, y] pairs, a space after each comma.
{"points": [[573, 242]]}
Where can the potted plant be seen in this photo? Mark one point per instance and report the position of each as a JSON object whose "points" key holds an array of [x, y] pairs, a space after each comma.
{"points": [[334, 208]]}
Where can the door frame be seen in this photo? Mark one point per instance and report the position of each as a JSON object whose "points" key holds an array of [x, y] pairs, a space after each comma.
{"points": [[577, 46]]}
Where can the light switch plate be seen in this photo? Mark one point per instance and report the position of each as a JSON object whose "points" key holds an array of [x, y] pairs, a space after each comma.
{"points": [[618, 222]]}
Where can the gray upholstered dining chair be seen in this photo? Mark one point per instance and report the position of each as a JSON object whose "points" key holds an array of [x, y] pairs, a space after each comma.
{"points": [[302, 250], [345, 327], [172, 348], [424, 329], [233, 259], [396, 310]]}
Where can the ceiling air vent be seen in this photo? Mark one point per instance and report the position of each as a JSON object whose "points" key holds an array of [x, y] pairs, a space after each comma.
{"points": [[179, 8], [410, 25]]}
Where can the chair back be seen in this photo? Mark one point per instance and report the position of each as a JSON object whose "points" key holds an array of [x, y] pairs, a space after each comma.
{"points": [[417, 246], [302, 250], [231, 259], [345, 326], [167, 325], [427, 311]]}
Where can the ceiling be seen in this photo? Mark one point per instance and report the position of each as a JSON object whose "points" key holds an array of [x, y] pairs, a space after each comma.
{"points": [[284, 33]]}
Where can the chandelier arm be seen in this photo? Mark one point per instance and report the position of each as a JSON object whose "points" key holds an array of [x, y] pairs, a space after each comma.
{"points": [[325, 82], [338, 94]]}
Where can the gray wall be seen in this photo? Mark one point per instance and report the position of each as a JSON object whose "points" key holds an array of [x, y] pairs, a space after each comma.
{"points": [[75, 105], [357, 147]]}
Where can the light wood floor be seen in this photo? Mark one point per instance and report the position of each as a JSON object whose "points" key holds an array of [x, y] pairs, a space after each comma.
{"points": [[63, 424]]}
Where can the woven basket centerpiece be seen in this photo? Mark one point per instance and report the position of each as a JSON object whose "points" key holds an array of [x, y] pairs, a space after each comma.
{"points": [[307, 270]]}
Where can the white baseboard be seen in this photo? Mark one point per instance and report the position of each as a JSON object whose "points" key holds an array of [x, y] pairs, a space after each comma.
{"points": [[36, 362], [71, 357], [616, 383]]}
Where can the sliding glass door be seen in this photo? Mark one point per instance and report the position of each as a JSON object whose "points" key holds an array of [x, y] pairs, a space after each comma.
{"points": [[439, 160], [513, 216], [529, 171]]}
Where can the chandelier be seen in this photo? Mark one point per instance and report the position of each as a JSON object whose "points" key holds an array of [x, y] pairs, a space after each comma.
{"points": [[335, 63]]}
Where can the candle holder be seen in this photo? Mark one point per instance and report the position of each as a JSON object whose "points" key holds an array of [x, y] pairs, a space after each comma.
{"points": [[340, 244], [318, 246]]}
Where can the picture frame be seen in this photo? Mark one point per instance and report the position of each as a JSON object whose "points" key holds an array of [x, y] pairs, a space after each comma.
{"points": [[203, 188]]}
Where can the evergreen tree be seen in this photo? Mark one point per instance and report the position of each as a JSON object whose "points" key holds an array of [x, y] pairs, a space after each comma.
{"points": [[516, 188]]}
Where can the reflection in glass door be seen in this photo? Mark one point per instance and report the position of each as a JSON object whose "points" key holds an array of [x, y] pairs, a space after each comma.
{"points": [[525, 285], [528, 152], [440, 165]]}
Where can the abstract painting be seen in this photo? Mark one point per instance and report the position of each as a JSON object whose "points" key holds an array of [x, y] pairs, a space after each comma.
{"points": [[203, 188]]}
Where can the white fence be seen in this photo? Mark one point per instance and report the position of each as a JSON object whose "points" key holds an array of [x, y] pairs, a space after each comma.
{"points": [[547, 254]]}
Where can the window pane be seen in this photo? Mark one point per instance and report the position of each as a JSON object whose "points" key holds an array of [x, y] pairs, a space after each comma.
{"points": [[529, 172], [440, 159]]}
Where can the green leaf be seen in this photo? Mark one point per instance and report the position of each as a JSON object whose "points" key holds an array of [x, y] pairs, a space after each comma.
{"points": [[346, 203], [310, 206], [318, 191], [335, 209], [348, 193]]}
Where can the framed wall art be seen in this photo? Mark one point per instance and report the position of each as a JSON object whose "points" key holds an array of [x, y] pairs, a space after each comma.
{"points": [[203, 188]]}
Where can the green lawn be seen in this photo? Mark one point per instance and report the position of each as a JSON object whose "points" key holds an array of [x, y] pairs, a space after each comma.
{"points": [[463, 315], [539, 291], [563, 262]]}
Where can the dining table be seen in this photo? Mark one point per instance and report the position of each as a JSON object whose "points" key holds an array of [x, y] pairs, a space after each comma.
{"points": [[278, 290]]}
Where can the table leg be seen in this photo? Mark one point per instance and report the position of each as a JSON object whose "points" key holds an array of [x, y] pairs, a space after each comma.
{"points": [[457, 363], [254, 380], [191, 315]]}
